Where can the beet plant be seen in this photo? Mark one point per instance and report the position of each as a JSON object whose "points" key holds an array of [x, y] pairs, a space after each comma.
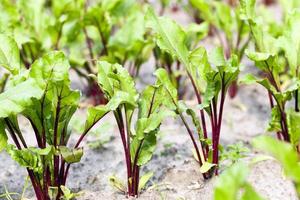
{"points": [[124, 101], [277, 58], [42, 95], [210, 77]]}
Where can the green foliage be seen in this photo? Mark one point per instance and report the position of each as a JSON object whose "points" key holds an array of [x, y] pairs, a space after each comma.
{"points": [[232, 184], [284, 153], [277, 57], [212, 71], [234, 152], [124, 99], [224, 19], [42, 94]]}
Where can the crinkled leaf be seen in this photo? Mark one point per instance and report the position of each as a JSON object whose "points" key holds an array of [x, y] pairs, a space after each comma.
{"points": [[71, 155], [121, 98], [149, 99], [52, 67], [16, 99], [106, 85], [147, 125], [113, 78], [144, 179], [24, 157]]}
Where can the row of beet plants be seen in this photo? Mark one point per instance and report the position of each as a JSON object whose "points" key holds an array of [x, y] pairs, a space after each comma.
{"points": [[41, 93]]}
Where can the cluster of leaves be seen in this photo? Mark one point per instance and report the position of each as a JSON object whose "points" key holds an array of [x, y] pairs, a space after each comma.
{"points": [[43, 96], [210, 77], [277, 57], [226, 24], [123, 100], [85, 31]]}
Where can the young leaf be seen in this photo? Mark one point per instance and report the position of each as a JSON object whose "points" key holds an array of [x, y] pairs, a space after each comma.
{"points": [[117, 183], [171, 37], [94, 114], [71, 155], [216, 57], [9, 54], [68, 195], [206, 167], [250, 193], [113, 78], [144, 179], [24, 157]]}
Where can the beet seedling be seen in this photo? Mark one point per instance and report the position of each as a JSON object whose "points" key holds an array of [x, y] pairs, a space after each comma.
{"points": [[139, 143], [210, 78], [268, 56], [43, 96]]}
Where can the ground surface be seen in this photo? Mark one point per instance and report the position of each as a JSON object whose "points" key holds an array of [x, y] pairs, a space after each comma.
{"points": [[176, 174]]}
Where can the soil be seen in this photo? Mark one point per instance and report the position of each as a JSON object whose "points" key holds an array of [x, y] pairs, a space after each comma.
{"points": [[176, 174]]}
